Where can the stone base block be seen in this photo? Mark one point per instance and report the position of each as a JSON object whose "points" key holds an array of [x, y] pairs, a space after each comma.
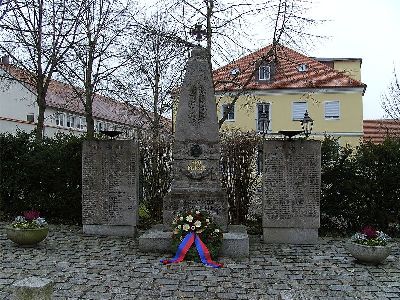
{"points": [[33, 288], [290, 235], [235, 242], [156, 240], [113, 230]]}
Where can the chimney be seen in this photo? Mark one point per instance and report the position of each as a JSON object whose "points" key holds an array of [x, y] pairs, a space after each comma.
{"points": [[5, 59]]}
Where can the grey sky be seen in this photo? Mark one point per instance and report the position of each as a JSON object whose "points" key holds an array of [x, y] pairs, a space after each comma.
{"points": [[366, 29]]}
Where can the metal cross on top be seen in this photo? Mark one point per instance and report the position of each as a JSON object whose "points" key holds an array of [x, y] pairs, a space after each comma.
{"points": [[198, 33]]}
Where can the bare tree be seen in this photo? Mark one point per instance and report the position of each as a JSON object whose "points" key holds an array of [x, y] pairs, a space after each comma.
{"points": [[156, 57], [390, 99], [227, 27], [97, 54], [36, 35]]}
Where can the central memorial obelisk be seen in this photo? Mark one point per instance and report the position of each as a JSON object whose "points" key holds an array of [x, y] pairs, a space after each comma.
{"points": [[196, 163], [196, 150]]}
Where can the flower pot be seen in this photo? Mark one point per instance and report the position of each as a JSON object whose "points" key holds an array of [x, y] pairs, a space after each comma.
{"points": [[368, 254], [27, 237]]}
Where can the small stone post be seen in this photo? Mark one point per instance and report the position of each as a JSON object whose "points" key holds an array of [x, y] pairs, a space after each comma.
{"points": [[33, 288]]}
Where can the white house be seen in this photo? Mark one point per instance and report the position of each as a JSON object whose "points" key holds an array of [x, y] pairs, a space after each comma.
{"points": [[19, 111]]}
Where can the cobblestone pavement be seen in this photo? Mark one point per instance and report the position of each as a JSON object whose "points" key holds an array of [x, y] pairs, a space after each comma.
{"points": [[87, 267]]}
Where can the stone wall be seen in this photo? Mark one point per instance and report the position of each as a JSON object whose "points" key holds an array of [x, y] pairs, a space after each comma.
{"points": [[291, 187], [110, 177]]}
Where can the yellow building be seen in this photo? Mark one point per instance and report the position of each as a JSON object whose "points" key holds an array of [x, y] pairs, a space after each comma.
{"points": [[283, 84]]}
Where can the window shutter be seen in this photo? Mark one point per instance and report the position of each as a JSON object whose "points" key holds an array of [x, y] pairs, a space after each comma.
{"points": [[299, 108], [332, 110]]}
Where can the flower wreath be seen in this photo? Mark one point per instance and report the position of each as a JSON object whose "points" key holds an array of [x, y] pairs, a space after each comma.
{"points": [[195, 227]]}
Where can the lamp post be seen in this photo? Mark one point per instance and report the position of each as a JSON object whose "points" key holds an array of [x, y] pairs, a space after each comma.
{"points": [[307, 124]]}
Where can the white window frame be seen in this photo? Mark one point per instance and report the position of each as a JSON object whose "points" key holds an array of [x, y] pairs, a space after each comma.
{"points": [[70, 121], [332, 117], [30, 117], [300, 116], [264, 72], [60, 119], [225, 106]]}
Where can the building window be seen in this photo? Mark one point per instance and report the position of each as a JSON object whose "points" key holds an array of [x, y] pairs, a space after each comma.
{"points": [[332, 110], [228, 109], [70, 121], [299, 108], [263, 111], [264, 72], [30, 117], [82, 123], [60, 119]]}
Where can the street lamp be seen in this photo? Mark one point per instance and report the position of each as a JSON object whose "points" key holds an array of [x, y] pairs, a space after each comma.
{"points": [[307, 124]]}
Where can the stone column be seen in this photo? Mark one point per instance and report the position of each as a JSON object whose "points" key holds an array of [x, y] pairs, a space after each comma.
{"points": [[291, 191]]}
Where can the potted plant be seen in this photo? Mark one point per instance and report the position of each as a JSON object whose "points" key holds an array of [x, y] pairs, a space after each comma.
{"points": [[28, 230], [369, 245]]}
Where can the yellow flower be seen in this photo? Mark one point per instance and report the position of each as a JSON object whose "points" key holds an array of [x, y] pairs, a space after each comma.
{"points": [[189, 218], [197, 223], [186, 227]]}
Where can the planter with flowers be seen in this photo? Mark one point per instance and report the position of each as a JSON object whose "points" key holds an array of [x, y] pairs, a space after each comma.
{"points": [[28, 230], [195, 228], [369, 246]]}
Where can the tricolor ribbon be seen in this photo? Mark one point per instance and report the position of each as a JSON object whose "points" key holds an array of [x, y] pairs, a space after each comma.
{"points": [[184, 247]]}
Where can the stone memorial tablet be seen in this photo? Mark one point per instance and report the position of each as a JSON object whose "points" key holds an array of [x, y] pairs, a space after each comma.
{"points": [[291, 185], [110, 187]]}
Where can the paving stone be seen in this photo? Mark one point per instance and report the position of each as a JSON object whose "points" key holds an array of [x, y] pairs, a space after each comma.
{"points": [[87, 267]]}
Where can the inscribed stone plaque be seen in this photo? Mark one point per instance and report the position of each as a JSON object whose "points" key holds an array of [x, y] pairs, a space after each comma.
{"points": [[110, 185], [291, 184]]}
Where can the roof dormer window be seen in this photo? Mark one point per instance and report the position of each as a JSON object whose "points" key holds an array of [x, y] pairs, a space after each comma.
{"points": [[264, 72], [302, 68]]}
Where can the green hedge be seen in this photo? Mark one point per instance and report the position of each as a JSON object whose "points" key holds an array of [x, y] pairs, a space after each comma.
{"points": [[42, 175], [360, 187]]}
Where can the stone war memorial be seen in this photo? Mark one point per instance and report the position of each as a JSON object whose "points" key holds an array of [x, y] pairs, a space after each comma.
{"points": [[291, 191], [110, 186], [196, 157]]}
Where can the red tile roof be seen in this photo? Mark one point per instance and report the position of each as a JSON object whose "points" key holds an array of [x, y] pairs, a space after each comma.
{"points": [[377, 130], [287, 75], [61, 96]]}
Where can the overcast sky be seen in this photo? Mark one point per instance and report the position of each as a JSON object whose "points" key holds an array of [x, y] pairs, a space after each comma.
{"points": [[367, 29]]}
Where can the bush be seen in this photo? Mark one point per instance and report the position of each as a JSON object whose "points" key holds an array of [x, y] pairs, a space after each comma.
{"points": [[360, 187], [239, 177], [155, 174], [42, 175]]}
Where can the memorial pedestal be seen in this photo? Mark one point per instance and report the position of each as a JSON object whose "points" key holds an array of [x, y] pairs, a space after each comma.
{"points": [[235, 243]]}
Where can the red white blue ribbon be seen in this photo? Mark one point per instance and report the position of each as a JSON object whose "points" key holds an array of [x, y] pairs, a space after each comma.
{"points": [[184, 247]]}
